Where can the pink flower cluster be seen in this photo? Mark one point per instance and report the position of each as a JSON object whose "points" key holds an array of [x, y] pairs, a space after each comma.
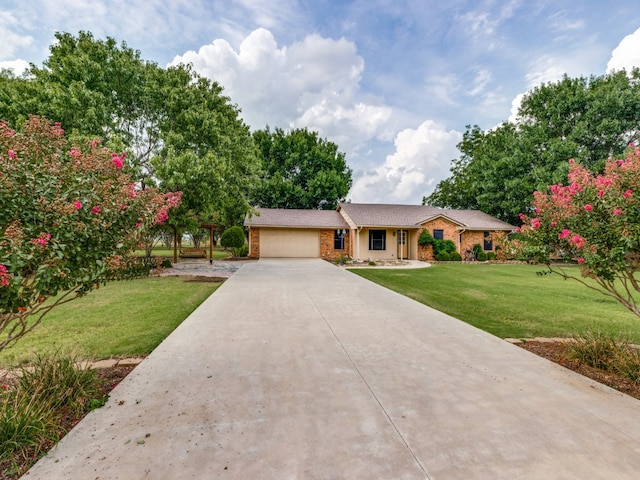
{"points": [[42, 239], [96, 210], [118, 160], [4, 276], [12, 154], [578, 241]]}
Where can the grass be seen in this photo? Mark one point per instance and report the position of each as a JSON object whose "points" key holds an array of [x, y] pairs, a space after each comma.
{"points": [[218, 252], [126, 318], [511, 301]]}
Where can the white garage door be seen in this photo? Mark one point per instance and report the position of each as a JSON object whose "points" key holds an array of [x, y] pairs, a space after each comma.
{"points": [[289, 243]]}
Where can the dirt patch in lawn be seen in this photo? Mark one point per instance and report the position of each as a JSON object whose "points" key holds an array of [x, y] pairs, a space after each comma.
{"points": [[557, 353]]}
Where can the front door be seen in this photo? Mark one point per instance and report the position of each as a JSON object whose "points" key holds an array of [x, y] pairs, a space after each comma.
{"points": [[403, 244]]}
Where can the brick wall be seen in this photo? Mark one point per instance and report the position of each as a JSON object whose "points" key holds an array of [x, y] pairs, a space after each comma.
{"points": [[326, 245], [254, 242], [449, 231], [469, 239]]}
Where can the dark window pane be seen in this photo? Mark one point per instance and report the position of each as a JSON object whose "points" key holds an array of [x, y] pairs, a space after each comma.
{"points": [[377, 239], [438, 234], [488, 242], [338, 240]]}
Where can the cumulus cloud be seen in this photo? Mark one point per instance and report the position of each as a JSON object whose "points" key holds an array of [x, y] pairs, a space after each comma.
{"points": [[11, 40], [627, 54], [421, 159], [313, 83]]}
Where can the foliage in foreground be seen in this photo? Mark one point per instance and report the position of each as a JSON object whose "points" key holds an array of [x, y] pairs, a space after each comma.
{"points": [[32, 409], [70, 218], [594, 220]]}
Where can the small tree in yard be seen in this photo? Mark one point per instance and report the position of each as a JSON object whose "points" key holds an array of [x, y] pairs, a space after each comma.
{"points": [[69, 218], [594, 221], [232, 239]]}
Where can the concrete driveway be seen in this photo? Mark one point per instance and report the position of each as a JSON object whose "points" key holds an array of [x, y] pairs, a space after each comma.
{"points": [[302, 370]]}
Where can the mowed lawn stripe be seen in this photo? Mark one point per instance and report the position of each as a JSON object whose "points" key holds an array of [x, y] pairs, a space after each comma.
{"points": [[510, 301]]}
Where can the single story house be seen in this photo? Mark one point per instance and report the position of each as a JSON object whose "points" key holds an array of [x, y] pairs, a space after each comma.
{"points": [[367, 231]]}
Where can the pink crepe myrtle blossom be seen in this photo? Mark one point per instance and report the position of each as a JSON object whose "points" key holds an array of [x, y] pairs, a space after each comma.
{"points": [[564, 234], [77, 205], [588, 207], [41, 240], [580, 260], [4, 276], [74, 152], [627, 194], [96, 210], [118, 160], [535, 223], [617, 212], [578, 241], [12, 154]]}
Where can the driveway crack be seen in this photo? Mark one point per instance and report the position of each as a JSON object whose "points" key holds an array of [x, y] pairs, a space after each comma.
{"points": [[373, 394]]}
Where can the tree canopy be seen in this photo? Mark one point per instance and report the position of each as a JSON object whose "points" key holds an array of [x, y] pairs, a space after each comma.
{"points": [[178, 129], [301, 170], [588, 119]]}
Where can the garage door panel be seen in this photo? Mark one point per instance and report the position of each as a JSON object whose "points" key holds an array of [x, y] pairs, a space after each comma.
{"points": [[289, 243]]}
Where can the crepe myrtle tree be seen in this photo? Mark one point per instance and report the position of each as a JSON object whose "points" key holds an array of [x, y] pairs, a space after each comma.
{"points": [[69, 219], [594, 220]]}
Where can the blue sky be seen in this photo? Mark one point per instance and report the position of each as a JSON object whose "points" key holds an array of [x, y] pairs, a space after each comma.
{"points": [[392, 82]]}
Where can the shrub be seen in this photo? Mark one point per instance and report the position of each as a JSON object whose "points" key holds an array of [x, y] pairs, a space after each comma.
{"points": [[443, 256], [455, 257], [166, 263], [477, 249], [242, 251], [232, 238], [595, 349], [491, 256], [425, 238], [440, 246], [481, 256], [50, 389]]}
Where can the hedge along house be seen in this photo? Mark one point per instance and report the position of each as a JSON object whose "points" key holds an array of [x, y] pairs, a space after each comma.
{"points": [[371, 231]]}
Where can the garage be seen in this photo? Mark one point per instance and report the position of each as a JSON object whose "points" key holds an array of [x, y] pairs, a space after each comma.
{"points": [[290, 243]]}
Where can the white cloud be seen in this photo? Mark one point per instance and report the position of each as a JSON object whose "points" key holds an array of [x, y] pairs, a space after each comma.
{"points": [[11, 41], [18, 66], [627, 54], [421, 159], [314, 83]]}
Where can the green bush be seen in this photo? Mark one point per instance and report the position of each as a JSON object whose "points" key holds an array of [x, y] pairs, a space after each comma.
{"points": [[232, 238], [440, 246], [243, 251], [481, 257], [166, 263], [477, 249], [455, 257], [491, 256], [443, 256], [425, 239]]}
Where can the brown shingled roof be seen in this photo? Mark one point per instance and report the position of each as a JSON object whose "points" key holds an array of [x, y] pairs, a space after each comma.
{"points": [[386, 215], [296, 218]]}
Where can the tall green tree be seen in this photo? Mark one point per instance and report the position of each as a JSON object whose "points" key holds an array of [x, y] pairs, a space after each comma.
{"points": [[301, 170], [177, 128], [588, 119]]}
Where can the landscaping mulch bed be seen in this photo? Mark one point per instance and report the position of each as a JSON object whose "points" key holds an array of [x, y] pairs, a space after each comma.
{"points": [[557, 353]]}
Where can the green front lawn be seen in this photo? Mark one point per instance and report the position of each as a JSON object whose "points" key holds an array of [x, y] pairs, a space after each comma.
{"points": [[510, 301], [125, 318]]}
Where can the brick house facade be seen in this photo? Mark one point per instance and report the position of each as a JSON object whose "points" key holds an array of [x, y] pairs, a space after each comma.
{"points": [[372, 231]]}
